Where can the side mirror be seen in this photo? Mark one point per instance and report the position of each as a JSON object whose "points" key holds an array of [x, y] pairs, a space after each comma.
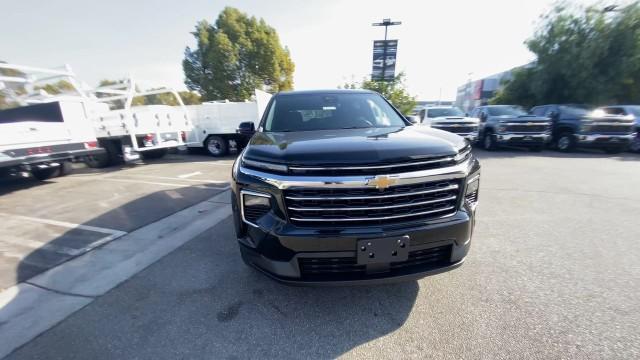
{"points": [[466, 114], [246, 128], [553, 115], [483, 117]]}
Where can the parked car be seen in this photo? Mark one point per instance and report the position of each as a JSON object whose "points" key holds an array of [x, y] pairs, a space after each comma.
{"points": [[511, 125], [451, 119], [631, 111], [338, 187], [579, 126]]}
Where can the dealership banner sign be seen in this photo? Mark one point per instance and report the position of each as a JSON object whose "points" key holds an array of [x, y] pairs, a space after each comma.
{"points": [[384, 60]]}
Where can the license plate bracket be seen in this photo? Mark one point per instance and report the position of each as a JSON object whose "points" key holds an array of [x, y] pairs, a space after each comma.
{"points": [[383, 250]]}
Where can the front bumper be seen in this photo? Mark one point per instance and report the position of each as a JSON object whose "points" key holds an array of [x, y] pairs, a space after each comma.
{"points": [[26, 161], [261, 245], [523, 139], [280, 249], [605, 139]]}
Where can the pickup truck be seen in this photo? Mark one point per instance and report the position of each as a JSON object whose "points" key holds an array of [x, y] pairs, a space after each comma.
{"points": [[451, 119], [338, 187], [579, 126], [630, 112], [511, 125]]}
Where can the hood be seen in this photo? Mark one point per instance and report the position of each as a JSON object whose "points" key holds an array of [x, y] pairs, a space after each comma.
{"points": [[521, 118], [352, 146], [454, 120]]}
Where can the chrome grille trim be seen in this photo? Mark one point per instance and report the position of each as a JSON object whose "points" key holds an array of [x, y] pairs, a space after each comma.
{"points": [[382, 217], [282, 182], [375, 207], [451, 187]]}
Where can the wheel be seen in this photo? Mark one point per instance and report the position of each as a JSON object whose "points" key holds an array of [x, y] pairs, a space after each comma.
{"points": [[111, 156], [217, 146], [488, 142], [635, 145], [153, 154], [65, 168], [566, 142], [45, 174], [614, 149], [97, 161]]}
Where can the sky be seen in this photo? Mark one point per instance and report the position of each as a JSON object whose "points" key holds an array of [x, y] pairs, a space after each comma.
{"points": [[441, 44]]}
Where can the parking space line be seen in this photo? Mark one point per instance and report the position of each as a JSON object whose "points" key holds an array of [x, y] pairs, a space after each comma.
{"points": [[145, 182], [67, 224], [40, 245], [179, 179], [184, 176]]}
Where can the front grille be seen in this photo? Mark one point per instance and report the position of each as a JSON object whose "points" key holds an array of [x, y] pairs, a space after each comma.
{"points": [[523, 128], [347, 268], [370, 206], [611, 129], [457, 129]]}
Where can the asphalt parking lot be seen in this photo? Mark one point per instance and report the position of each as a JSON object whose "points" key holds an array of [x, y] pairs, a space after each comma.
{"points": [[553, 272]]}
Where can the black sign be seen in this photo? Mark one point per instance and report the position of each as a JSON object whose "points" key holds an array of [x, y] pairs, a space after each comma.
{"points": [[384, 60]]}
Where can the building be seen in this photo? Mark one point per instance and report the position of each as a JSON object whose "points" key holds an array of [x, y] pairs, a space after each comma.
{"points": [[478, 92]]}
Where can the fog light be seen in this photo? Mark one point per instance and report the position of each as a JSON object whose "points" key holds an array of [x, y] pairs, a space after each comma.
{"points": [[254, 206]]}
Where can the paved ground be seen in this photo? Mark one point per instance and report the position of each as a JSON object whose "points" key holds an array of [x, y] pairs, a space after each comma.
{"points": [[45, 224], [553, 273]]}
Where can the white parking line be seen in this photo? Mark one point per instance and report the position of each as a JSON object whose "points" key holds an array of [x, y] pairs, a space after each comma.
{"points": [[67, 224], [40, 245], [173, 178], [184, 176], [145, 182]]}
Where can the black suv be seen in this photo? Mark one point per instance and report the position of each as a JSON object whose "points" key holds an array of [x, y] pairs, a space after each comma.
{"points": [[511, 125], [338, 187], [577, 125]]}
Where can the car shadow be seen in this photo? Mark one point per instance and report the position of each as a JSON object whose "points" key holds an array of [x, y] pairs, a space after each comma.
{"points": [[202, 301]]}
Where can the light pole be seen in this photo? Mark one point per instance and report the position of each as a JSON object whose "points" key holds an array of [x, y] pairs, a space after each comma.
{"points": [[386, 23]]}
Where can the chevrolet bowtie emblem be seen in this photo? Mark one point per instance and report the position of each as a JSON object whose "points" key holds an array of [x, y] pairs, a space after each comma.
{"points": [[381, 182]]}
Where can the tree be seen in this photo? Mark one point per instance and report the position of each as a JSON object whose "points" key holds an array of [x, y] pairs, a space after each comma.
{"points": [[190, 97], [584, 55], [234, 56], [395, 91]]}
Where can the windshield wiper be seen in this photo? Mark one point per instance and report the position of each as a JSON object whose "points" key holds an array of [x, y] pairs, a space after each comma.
{"points": [[355, 127]]}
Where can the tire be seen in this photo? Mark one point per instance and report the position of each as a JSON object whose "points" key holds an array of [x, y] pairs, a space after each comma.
{"points": [[45, 174], [488, 142], [97, 161], [110, 157], [216, 146], [566, 142], [153, 154]]}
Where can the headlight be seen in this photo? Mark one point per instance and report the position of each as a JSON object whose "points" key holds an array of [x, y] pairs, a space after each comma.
{"points": [[264, 165], [471, 192], [254, 205]]}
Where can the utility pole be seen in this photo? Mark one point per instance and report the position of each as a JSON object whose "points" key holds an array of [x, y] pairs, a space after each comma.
{"points": [[386, 23]]}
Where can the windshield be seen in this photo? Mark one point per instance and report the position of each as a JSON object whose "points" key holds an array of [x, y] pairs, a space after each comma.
{"points": [[432, 113], [510, 110], [307, 112], [575, 110]]}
